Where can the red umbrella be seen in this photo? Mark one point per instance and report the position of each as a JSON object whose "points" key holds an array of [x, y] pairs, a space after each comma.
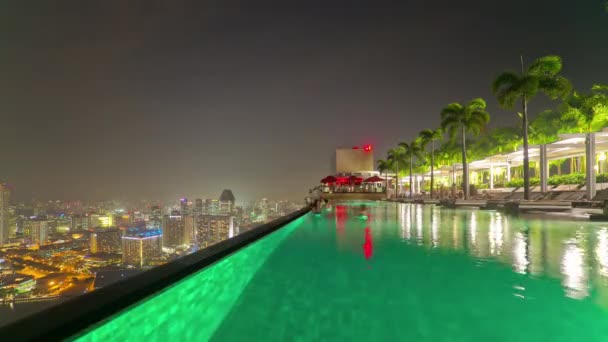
{"points": [[329, 179], [354, 179], [374, 179]]}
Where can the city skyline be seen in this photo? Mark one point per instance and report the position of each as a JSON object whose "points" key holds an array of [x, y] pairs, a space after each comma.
{"points": [[149, 100]]}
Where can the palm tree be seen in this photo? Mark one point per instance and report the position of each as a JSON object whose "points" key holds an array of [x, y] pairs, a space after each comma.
{"points": [[396, 158], [412, 150], [429, 136], [541, 76], [459, 119], [383, 167], [588, 111]]}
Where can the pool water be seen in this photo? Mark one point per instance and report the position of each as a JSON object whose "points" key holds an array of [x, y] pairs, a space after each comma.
{"points": [[387, 272]]}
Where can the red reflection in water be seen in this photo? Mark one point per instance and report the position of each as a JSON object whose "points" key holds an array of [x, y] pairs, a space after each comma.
{"points": [[341, 216], [368, 246]]}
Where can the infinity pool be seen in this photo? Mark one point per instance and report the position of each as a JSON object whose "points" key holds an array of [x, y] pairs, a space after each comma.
{"points": [[398, 272]]}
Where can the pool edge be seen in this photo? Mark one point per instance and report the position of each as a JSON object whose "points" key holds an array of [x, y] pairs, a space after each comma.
{"points": [[67, 319]]}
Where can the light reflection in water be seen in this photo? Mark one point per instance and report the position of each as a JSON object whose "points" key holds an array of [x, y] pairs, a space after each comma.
{"points": [[419, 223], [601, 251], [520, 257], [573, 269], [435, 228], [576, 255], [473, 229], [406, 211], [496, 234]]}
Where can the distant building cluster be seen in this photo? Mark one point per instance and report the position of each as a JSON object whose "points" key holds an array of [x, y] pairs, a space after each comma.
{"points": [[59, 248]]}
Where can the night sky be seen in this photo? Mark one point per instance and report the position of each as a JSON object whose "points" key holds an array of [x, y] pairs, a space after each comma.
{"points": [[159, 99]]}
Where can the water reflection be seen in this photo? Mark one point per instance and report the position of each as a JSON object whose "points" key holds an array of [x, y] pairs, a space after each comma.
{"points": [[575, 253], [368, 246]]}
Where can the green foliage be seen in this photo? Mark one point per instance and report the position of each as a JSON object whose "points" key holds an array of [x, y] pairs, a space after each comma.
{"points": [[498, 140], [397, 158], [384, 165], [570, 179], [546, 126], [588, 112], [518, 182], [541, 76], [515, 183], [428, 136], [473, 117]]}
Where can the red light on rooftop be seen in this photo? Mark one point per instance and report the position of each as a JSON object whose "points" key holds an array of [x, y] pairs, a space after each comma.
{"points": [[367, 148], [356, 148]]}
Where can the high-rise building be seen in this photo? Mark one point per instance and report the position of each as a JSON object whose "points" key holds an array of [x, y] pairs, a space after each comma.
{"points": [[211, 229], [5, 194], [138, 246], [174, 230], [155, 217], [105, 241], [185, 207], [189, 225], [40, 230], [79, 223], [212, 207], [198, 206], [101, 221], [227, 200]]}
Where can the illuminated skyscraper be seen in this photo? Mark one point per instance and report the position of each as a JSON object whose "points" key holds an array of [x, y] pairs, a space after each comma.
{"points": [[174, 230], [189, 225], [40, 230], [185, 206], [5, 195], [211, 229], [138, 247], [101, 221], [198, 206], [105, 241], [155, 217], [227, 200], [212, 207]]}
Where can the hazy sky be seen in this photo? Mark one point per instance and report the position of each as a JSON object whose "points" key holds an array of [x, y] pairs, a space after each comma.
{"points": [[132, 99]]}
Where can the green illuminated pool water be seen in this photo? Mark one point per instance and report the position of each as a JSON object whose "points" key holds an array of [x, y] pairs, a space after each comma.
{"points": [[417, 273]]}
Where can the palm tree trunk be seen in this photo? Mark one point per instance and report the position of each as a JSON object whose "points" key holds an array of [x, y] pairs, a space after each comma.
{"points": [[411, 168], [432, 166], [465, 166], [396, 181], [525, 138]]}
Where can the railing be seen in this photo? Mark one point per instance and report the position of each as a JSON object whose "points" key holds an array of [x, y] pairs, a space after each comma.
{"points": [[69, 318]]}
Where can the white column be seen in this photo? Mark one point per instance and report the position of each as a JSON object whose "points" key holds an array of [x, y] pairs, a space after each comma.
{"points": [[590, 159], [508, 171], [418, 190], [491, 177], [544, 168]]}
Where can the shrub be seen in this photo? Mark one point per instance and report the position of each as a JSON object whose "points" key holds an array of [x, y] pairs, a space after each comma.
{"points": [[571, 179], [515, 183], [601, 178]]}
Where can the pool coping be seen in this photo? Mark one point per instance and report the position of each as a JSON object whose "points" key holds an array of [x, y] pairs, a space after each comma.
{"points": [[67, 319]]}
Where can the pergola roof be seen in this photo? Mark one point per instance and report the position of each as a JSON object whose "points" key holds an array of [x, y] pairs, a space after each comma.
{"points": [[569, 146]]}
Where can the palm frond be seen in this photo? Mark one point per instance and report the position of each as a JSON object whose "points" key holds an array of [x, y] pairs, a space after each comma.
{"points": [[507, 88], [453, 109], [555, 86], [547, 65], [529, 86], [477, 103]]}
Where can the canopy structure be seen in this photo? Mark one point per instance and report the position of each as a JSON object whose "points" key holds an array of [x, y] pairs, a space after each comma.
{"points": [[590, 146], [373, 179], [329, 180]]}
